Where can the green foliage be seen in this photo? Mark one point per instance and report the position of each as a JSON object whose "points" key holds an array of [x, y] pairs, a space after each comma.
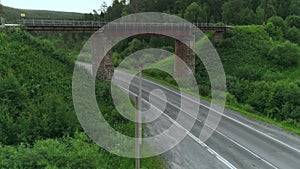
{"points": [[259, 15], [284, 55], [195, 13], [249, 45], [262, 73], [38, 123], [237, 12], [274, 31], [278, 22], [134, 46], [293, 20], [77, 152], [294, 7], [293, 35], [228, 11], [114, 11], [276, 100], [166, 43], [35, 90], [12, 94]]}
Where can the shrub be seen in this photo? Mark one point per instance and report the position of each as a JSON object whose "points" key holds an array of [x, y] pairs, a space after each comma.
{"points": [[284, 55]]}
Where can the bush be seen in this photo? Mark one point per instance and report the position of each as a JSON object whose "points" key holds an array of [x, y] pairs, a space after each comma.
{"points": [[68, 153], [35, 90], [293, 35], [274, 32], [262, 73], [284, 55], [293, 20], [278, 22]]}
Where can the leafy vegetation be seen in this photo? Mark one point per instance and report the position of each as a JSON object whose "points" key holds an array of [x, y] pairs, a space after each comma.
{"points": [[38, 124], [261, 62], [67, 152], [234, 12], [261, 71]]}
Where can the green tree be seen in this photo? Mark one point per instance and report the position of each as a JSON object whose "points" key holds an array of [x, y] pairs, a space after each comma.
{"points": [[282, 7], [293, 35], [180, 7], [195, 13], [294, 7], [247, 16], [134, 46], [255, 4], [214, 9], [235, 11], [293, 20], [259, 15], [114, 11], [278, 22], [274, 31]]}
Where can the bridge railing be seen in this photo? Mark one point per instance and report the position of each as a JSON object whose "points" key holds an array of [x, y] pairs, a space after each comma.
{"points": [[35, 22]]}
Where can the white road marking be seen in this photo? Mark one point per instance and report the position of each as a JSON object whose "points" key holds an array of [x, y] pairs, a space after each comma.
{"points": [[238, 144], [274, 139], [218, 156], [230, 118]]}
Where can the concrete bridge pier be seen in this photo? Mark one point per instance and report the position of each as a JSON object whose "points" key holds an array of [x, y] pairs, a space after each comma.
{"points": [[187, 55], [105, 69], [218, 36]]}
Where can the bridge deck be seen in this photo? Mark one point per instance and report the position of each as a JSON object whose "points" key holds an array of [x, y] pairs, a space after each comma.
{"points": [[93, 26]]}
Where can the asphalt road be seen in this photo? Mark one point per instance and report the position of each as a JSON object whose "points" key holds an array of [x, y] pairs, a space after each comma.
{"points": [[238, 142], [242, 142]]}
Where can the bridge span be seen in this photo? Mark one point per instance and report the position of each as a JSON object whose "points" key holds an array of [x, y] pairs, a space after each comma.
{"points": [[93, 26], [121, 29]]}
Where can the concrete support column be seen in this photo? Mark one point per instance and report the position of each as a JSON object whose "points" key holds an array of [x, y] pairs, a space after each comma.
{"points": [[105, 69], [187, 55], [218, 36]]}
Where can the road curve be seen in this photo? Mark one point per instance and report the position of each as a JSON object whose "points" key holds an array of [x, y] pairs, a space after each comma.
{"points": [[242, 142]]}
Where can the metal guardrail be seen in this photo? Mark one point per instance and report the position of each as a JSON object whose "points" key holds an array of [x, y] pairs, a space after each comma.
{"points": [[79, 23]]}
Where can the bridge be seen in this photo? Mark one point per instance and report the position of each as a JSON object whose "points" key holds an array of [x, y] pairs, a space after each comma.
{"points": [[93, 26], [121, 29]]}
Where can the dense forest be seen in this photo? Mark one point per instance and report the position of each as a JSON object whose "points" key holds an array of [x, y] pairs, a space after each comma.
{"points": [[38, 124], [234, 12]]}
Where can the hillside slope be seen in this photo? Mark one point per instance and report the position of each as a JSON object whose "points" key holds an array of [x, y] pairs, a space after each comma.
{"points": [[38, 124], [12, 14]]}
